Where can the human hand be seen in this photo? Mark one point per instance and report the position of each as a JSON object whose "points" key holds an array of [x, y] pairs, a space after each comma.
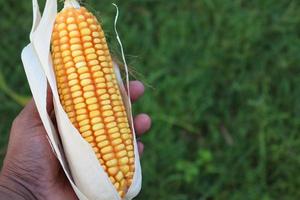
{"points": [[30, 169]]}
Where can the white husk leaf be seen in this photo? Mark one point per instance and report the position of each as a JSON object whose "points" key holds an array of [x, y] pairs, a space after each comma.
{"points": [[79, 162]]}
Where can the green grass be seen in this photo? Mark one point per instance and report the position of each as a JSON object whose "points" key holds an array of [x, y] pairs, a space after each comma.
{"points": [[223, 90]]}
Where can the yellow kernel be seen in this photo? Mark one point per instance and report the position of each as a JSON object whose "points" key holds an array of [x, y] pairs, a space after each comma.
{"points": [[87, 44], [63, 33], [97, 41], [83, 70], [91, 100], [93, 27], [125, 169], [69, 64], [122, 119], [77, 53], [98, 126], [120, 147], [89, 51], [68, 108], [61, 26], [78, 100], [93, 62], [99, 46], [81, 17], [80, 64], [107, 107], [119, 176], [84, 76], [101, 91], [107, 113], [93, 107], [64, 40], [81, 111], [105, 97], [57, 61], [102, 58], [110, 84], [72, 27], [88, 88], [86, 38], [91, 56], [99, 132], [128, 142], [94, 113], [101, 138], [96, 68], [95, 34], [72, 76], [111, 125], [129, 147], [85, 82], [114, 130], [85, 128], [75, 40], [84, 122], [90, 21], [89, 139], [105, 64], [96, 120], [82, 117], [66, 53], [73, 34], [105, 102], [87, 134], [100, 85], [113, 170], [99, 79], [68, 103], [117, 108], [89, 94], [109, 119], [56, 49], [130, 153], [74, 88], [111, 163], [79, 59], [103, 144], [107, 149], [83, 25], [123, 161], [76, 47], [85, 31], [126, 135], [79, 106], [117, 141], [70, 20], [106, 70], [119, 114]]}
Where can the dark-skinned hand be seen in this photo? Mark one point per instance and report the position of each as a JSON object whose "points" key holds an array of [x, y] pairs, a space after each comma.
{"points": [[30, 169]]}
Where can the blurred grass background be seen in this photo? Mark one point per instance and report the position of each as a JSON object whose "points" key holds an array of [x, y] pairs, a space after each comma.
{"points": [[223, 90]]}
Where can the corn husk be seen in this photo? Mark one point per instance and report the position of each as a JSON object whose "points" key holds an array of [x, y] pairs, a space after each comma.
{"points": [[79, 162]]}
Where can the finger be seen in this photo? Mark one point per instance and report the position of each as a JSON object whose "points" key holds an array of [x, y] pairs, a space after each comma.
{"points": [[142, 123], [136, 89], [49, 100], [141, 148]]}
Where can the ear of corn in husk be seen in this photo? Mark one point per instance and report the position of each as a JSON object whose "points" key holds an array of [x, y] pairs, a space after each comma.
{"points": [[92, 108]]}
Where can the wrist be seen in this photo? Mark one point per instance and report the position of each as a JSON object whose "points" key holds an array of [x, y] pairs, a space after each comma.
{"points": [[12, 189]]}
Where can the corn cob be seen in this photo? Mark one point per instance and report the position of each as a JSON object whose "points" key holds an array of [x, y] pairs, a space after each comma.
{"points": [[89, 92]]}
